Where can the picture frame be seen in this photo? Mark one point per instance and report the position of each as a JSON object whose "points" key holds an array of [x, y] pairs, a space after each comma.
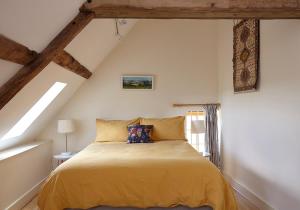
{"points": [[137, 82]]}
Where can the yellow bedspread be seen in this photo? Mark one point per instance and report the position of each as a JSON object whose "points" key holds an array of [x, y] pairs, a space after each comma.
{"points": [[160, 174]]}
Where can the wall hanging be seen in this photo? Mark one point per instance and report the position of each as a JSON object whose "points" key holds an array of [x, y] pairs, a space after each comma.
{"points": [[246, 55]]}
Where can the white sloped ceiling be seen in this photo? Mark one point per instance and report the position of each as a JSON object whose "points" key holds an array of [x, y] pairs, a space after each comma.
{"points": [[34, 23]]}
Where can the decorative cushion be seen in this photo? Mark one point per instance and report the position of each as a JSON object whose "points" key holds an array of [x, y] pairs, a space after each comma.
{"points": [[113, 130], [139, 133], [166, 128]]}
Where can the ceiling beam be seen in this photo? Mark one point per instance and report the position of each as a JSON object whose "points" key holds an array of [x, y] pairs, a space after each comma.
{"points": [[29, 71], [18, 53], [15, 52], [194, 9], [67, 61]]}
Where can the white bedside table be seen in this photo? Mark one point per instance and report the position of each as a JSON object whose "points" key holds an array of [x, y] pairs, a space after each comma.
{"points": [[62, 158]]}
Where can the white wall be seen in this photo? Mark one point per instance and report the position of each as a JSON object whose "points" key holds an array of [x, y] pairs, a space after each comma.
{"points": [[20, 173], [261, 129], [179, 53]]}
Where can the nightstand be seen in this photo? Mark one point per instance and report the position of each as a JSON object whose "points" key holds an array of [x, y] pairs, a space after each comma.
{"points": [[62, 158]]}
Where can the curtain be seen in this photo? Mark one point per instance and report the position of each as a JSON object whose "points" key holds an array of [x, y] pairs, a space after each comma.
{"points": [[212, 145]]}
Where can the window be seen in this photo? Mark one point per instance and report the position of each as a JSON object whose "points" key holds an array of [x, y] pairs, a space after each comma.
{"points": [[195, 139], [35, 111]]}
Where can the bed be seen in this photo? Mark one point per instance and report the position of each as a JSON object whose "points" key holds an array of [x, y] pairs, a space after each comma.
{"points": [[164, 174]]}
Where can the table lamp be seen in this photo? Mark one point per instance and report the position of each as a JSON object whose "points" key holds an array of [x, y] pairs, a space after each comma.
{"points": [[65, 127]]}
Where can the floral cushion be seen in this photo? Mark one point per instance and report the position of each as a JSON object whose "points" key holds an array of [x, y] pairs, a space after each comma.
{"points": [[139, 133]]}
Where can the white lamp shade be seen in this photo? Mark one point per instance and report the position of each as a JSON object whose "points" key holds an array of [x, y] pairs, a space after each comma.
{"points": [[65, 126], [197, 126]]}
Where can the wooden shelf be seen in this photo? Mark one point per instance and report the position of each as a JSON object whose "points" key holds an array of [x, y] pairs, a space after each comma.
{"points": [[187, 105]]}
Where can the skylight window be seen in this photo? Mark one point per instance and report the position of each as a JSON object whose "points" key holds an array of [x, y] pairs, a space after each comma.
{"points": [[35, 111]]}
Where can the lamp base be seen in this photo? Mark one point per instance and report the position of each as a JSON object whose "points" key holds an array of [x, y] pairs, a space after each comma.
{"points": [[66, 153]]}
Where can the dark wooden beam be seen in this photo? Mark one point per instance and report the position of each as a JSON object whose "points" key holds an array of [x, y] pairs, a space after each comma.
{"points": [[15, 52], [194, 9], [67, 61], [28, 72]]}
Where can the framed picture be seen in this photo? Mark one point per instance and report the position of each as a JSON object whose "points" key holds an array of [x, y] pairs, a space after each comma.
{"points": [[137, 82], [246, 55]]}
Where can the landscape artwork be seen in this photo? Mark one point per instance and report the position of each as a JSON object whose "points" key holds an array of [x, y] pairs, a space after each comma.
{"points": [[133, 82]]}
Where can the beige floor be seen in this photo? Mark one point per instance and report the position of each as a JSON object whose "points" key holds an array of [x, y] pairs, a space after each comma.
{"points": [[244, 204]]}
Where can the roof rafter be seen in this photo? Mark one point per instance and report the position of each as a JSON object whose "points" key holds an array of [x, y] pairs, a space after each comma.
{"points": [[18, 53], [67, 61], [198, 9], [32, 69], [15, 52]]}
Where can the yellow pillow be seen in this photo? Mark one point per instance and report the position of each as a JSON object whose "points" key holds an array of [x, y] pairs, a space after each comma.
{"points": [[166, 128], [113, 130]]}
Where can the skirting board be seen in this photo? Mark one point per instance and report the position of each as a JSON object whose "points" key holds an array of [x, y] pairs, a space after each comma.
{"points": [[251, 197], [26, 197]]}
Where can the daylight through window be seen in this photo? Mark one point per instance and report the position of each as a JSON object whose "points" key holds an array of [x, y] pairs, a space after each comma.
{"points": [[195, 129], [35, 111]]}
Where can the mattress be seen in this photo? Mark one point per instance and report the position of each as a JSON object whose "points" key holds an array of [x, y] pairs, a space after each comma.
{"points": [[163, 174]]}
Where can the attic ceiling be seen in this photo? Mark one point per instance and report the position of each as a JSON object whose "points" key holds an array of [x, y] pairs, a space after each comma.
{"points": [[90, 9], [34, 27]]}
